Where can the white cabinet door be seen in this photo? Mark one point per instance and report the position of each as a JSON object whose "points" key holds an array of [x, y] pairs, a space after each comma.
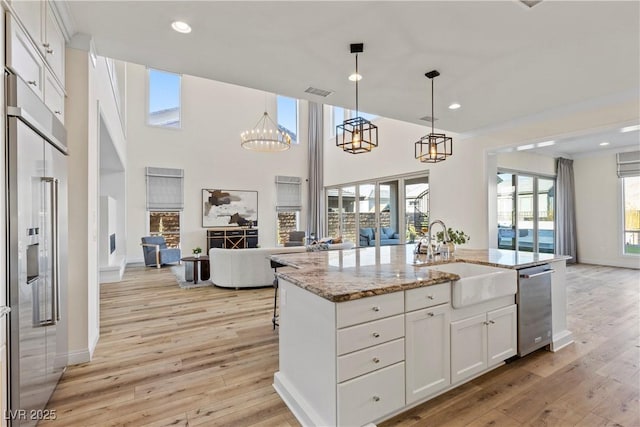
{"points": [[54, 45], [23, 58], [502, 334], [30, 14], [427, 352], [468, 347], [54, 96]]}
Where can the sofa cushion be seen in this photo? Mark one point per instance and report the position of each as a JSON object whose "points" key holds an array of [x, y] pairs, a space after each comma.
{"points": [[367, 232], [387, 233]]}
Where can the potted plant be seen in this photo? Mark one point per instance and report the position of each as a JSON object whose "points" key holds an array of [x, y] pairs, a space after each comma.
{"points": [[456, 237], [197, 251]]}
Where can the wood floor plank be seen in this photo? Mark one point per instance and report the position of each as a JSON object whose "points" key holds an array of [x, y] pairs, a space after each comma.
{"points": [[206, 356]]}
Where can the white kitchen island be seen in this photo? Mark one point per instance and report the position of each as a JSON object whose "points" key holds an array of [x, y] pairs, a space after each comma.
{"points": [[368, 333]]}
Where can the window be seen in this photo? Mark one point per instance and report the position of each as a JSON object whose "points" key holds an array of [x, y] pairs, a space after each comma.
{"points": [[383, 211], [164, 99], [165, 201], [526, 212], [629, 173], [167, 225], [288, 205], [288, 117], [631, 203]]}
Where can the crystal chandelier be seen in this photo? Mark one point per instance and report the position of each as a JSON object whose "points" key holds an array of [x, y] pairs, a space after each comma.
{"points": [[265, 136], [357, 135], [435, 147]]}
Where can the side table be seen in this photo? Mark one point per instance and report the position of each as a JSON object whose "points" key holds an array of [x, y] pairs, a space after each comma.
{"points": [[196, 266]]}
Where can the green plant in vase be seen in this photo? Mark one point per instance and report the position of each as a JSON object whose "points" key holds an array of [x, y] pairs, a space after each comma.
{"points": [[197, 251], [456, 237]]}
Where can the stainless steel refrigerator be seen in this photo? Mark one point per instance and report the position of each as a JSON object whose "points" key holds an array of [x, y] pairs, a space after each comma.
{"points": [[37, 251]]}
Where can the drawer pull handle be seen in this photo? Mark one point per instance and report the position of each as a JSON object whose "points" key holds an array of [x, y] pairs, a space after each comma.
{"points": [[376, 308], [45, 45], [376, 335], [376, 398], [50, 51], [492, 322], [430, 314], [485, 323], [32, 82], [376, 360], [430, 296], [58, 112]]}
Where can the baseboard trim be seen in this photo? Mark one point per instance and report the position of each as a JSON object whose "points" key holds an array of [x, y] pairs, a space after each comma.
{"points": [[561, 340], [79, 356], [93, 345], [631, 262], [113, 273]]}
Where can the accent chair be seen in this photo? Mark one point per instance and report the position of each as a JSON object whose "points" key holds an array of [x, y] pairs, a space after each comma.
{"points": [[157, 253]]}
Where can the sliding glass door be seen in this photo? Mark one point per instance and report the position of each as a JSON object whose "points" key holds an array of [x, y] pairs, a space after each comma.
{"points": [[382, 212], [525, 209]]}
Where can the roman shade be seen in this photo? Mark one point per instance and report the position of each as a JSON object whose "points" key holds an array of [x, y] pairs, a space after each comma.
{"points": [[165, 189], [628, 164], [289, 196]]}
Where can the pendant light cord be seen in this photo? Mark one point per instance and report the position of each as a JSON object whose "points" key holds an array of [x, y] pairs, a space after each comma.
{"points": [[432, 117], [357, 78]]}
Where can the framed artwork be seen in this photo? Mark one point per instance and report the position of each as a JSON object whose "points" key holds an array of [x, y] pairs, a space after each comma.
{"points": [[229, 208]]}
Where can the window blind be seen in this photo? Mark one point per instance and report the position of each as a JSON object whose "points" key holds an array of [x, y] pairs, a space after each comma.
{"points": [[628, 164], [165, 189], [289, 194]]}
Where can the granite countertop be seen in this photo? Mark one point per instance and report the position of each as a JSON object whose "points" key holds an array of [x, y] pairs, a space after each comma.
{"points": [[344, 275]]}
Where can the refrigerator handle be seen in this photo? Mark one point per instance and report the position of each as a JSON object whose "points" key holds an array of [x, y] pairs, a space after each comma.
{"points": [[55, 271]]}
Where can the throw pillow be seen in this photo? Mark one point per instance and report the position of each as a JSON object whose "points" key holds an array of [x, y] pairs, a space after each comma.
{"points": [[337, 239]]}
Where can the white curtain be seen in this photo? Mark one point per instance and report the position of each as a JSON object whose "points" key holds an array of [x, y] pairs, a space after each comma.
{"points": [[315, 224], [566, 238]]}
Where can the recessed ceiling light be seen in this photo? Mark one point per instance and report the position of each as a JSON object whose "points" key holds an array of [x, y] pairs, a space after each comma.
{"points": [[454, 106], [545, 143], [181, 27], [630, 128], [604, 143], [525, 147], [355, 77]]}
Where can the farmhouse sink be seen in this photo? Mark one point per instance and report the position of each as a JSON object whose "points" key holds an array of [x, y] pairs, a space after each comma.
{"points": [[478, 283]]}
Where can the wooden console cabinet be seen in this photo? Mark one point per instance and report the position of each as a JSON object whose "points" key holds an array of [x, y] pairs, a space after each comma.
{"points": [[232, 238]]}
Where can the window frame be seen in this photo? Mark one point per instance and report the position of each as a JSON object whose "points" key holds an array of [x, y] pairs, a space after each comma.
{"points": [[148, 100], [623, 220], [535, 193]]}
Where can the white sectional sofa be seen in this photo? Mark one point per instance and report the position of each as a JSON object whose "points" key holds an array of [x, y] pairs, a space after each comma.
{"points": [[250, 268]]}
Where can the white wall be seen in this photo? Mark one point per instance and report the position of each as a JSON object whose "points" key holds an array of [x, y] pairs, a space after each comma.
{"points": [[599, 212], [90, 100], [208, 148], [527, 162]]}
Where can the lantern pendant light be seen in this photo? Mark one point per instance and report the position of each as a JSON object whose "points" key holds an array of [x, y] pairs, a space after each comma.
{"points": [[357, 135], [435, 147]]}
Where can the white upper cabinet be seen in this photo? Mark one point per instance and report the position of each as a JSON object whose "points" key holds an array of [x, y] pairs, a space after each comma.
{"points": [[35, 48], [30, 14], [53, 44]]}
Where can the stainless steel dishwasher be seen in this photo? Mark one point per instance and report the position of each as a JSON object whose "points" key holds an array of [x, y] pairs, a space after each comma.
{"points": [[534, 308]]}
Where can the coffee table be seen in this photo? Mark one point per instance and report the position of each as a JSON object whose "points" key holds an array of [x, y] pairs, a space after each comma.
{"points": [[196, 266]]}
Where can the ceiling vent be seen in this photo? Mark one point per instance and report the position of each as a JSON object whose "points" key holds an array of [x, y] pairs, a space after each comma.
{"points": [[428, 119], [530, 3], [320, 92]]}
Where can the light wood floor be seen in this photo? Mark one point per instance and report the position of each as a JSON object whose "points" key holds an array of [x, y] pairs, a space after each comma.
{"points": [[206, 356]]}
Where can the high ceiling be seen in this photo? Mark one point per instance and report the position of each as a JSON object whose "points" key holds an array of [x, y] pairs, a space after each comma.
{"points": [[501, 60]]}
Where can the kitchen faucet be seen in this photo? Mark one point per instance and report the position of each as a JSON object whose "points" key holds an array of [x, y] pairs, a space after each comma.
{"points": [[430, 252]]}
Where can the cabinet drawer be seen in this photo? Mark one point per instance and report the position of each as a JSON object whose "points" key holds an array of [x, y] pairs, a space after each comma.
{"points": [[369, 308], [371, 396], [23, 58], [252, 232], [427, 296], [234, 233], [53, 96], [216, 233], [370, 359], [370, 334]]}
